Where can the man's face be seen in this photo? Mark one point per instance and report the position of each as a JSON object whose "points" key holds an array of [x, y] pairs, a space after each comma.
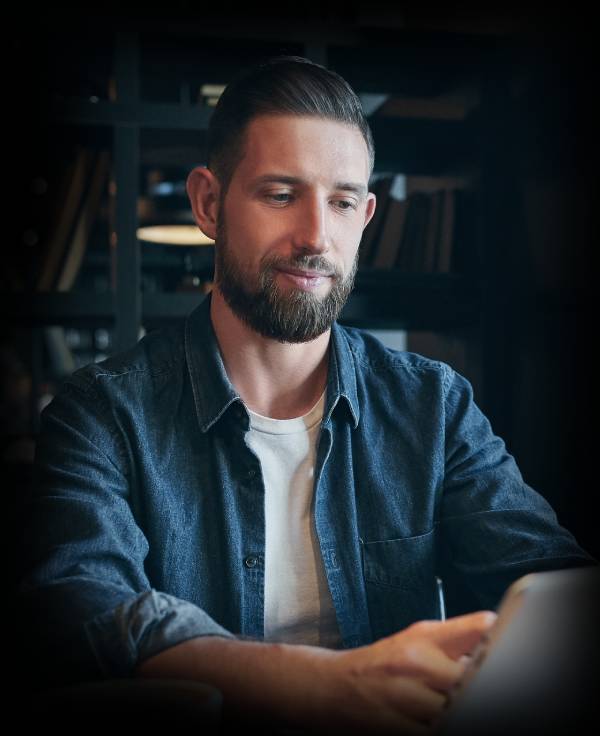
{"points": [[290, 224]]}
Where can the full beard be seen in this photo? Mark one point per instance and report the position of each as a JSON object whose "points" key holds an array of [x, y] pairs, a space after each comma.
{"points": [[290, 316]]}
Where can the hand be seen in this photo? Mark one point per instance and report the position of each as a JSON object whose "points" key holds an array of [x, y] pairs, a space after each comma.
{"points": [[400, 684]]}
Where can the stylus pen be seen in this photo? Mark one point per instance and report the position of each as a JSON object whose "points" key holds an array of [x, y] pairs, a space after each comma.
{"points": [[441, 601]]}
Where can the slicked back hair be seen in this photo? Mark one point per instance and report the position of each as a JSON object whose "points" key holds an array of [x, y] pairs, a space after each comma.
{"points": [[283, 85]]}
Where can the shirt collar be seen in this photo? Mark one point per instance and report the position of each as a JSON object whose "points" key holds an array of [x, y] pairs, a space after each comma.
{"points": [[213, 391], [341, 379]]}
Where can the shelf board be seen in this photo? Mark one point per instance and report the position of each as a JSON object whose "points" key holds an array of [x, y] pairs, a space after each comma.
{"points": [[419, 301], [381, 299], [69, 309], [163, 116], [82, 309]]}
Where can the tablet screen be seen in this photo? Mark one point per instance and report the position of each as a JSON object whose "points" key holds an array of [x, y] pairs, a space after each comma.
{"points": [[538, 666]]}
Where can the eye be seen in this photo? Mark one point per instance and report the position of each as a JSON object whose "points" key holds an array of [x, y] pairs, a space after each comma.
{"points": [[345, 204], [279, 197]]}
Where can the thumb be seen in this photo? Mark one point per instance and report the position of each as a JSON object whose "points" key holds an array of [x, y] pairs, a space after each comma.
{"points": [[460, 635]]}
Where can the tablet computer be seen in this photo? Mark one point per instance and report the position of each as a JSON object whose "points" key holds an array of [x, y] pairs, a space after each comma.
{"points": [[536, 672]]}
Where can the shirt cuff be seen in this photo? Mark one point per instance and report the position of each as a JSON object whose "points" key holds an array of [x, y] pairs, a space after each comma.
{"points": [[144, 626]]}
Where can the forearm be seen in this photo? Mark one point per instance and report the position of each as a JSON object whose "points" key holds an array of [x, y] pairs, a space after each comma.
{"points": [[280, 683], [395, 685]]}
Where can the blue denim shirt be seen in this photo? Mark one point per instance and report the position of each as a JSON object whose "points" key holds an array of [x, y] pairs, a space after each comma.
{"points": [[149, 523]]}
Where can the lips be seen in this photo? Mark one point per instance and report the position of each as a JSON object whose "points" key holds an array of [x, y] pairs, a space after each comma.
{"points": [[304, 279], [305, 273]]}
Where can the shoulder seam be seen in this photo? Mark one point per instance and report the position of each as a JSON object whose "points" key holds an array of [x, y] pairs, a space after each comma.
{"points": [[94, 372], [389, 361], [91, 391]]}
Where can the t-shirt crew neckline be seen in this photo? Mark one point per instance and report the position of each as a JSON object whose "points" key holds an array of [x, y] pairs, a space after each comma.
{"points": [[268, 425]]}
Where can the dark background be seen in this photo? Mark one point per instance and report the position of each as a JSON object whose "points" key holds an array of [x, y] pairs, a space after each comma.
{"points": [[527, 142]]}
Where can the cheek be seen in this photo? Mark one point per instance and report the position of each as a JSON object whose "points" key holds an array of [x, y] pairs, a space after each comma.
{"points": [[267, 234], [349, 240]]}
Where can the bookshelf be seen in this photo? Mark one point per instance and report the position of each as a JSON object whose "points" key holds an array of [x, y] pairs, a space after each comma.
{"points": [[145, 125], [491, 105]]}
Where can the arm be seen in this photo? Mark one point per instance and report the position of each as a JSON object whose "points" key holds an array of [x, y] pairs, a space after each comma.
{"points": [[494, 527], [90, 612], [398, 684], [86, 607]]}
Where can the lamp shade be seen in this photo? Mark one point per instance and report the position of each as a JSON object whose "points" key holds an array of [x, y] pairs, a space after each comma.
{"points": [[185, 235]]}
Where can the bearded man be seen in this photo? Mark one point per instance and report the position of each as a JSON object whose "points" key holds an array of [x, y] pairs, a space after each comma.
{"points": [[261, 499]]}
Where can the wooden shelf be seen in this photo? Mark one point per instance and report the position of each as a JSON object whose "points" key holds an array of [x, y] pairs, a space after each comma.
{"points": [[419, 301], [412, 145], [162, 116], [381, 299]]}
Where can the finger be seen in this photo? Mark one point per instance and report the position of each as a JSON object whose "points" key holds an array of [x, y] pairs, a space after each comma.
{"points": [[436, 668], [416, 653], [414, 699], [460, 635]]}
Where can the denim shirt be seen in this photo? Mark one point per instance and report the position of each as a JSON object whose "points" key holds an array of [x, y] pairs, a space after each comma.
{"points": [[149, 524]]}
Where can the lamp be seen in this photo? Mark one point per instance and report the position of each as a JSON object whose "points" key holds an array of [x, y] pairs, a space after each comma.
{"points": [[173, 234], [165, 213], [167, 226]]}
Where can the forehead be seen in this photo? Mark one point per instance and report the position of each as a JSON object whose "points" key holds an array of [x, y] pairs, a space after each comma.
{"points": [[307, 147]]}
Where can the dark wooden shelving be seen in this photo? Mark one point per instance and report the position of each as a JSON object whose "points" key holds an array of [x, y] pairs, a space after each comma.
{"points": [[412, 301], [70, 309], [163, 116], [423, 146], [381, 299]]}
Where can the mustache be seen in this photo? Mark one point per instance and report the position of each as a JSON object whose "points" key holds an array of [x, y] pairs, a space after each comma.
{"points": [[316, 263]]}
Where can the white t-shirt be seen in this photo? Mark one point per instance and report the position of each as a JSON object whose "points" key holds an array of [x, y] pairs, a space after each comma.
{"points": [[298, 604]]}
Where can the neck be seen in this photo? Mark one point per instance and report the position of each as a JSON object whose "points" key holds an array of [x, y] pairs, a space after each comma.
{"points": [[278, 380]]}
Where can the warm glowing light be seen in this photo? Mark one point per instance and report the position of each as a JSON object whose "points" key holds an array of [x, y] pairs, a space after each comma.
{"points": [[173, 235]]}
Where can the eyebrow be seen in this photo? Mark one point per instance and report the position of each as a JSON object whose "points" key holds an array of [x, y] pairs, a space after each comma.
{"points": [[360, 189]]}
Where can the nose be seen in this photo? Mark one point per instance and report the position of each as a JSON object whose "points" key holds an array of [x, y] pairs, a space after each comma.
{"points": [[311, 228]]}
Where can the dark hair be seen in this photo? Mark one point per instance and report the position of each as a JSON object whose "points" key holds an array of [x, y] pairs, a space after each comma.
{"points": [[283, 85]]}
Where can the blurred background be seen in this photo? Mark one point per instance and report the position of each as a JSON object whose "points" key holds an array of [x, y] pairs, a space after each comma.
{"points": [[479, 254]]}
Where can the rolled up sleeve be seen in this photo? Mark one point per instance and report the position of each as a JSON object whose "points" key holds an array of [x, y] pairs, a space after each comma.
{"points": [[140, 628]]}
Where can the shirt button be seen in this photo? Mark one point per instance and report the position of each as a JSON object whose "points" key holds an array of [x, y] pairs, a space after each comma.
{"points": [[251, 473], [251, 561]]}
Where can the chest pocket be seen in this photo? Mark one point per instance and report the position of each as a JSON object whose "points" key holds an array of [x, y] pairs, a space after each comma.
{"points": [[400, 582]]}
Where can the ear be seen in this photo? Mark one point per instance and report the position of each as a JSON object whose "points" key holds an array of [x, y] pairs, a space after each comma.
{"points": [[370, 208], [203, 189]]}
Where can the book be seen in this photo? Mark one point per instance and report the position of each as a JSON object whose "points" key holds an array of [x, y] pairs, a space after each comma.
{"points": [[73, 187], [428, 253], [388, 245], [414, 233], [444, 251], [368, 243], [85, 220]]}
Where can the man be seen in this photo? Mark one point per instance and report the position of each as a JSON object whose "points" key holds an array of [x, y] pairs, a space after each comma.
{"points": [[261, 499]]}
